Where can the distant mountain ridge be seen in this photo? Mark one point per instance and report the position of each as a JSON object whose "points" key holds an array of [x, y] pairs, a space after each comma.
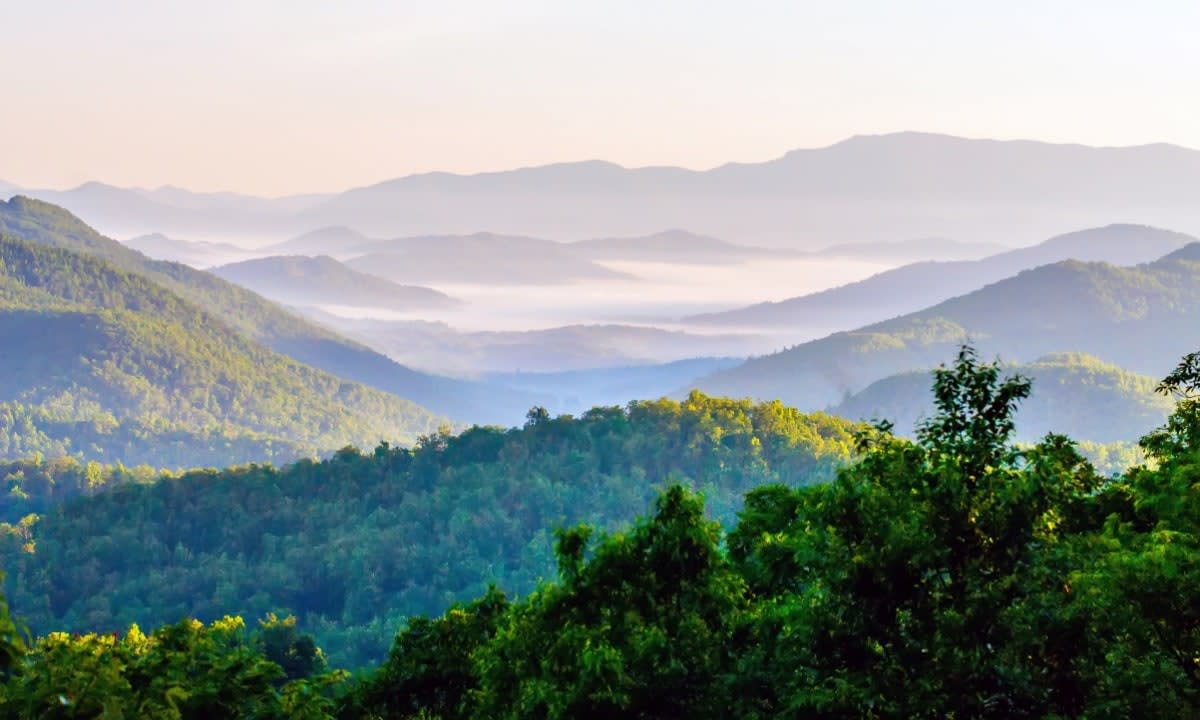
{"points": [[863, 189]]}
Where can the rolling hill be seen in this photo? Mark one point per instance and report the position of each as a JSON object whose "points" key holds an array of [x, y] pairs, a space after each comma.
{"points": [[1078, 395], [1140, 318], [108, 365], [321, 280], [267, 323], [911, 287]]}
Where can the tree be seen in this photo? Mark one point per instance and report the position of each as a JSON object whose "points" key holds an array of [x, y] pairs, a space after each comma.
{"points": [[887, 598], [12, 646], [638, 630]]}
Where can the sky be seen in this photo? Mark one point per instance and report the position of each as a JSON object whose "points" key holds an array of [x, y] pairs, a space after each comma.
{"points": [[276, 97]]}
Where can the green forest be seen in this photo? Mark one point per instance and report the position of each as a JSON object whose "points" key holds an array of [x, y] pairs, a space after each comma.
{"points": [[354, 544], [786, 566]]}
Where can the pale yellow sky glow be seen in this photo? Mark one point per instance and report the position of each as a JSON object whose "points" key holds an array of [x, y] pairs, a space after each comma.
{"points": [[276, 97]]}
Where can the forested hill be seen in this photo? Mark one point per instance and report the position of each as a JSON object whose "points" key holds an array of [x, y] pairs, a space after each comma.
{"points": [[106, 364], [1131, 316], [267, 323], [356, 543], [1075, 394]]}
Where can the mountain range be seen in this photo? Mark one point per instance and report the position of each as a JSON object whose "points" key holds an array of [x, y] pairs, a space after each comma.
{"points": [[863, 189]]}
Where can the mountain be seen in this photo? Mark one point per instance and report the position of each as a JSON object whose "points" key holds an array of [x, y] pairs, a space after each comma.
{"points": [[864, 189], [267, 323], [481, 258], [356, 544], [671, 246], [108, 365], [1074, 394], [911, 287], [198, 254], [298, 280], [915, 250], [339, 241], [1135, 317]]}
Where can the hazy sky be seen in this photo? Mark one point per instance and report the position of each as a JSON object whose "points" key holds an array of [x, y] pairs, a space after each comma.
{"points": [[281, 96]]}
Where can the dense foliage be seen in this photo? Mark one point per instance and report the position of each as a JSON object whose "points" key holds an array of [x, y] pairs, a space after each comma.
{"points": [[956, 575], [354, 544], [183, 670], [952, 576], [107, 364]]}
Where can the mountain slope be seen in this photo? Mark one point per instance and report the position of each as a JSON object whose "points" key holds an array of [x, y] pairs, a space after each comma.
{"points": [[267, 323], [298, 280], [89, 344], [1078, 395], [912, 287], [1138, 318]]}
